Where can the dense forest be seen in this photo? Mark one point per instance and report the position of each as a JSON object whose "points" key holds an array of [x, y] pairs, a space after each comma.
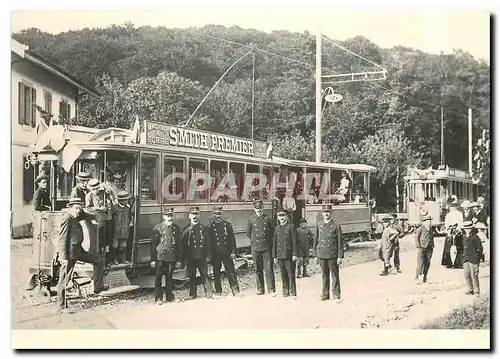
{"points": [[162, 74]]}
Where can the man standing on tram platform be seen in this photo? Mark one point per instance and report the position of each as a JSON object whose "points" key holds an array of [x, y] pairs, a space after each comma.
{"points": [[223, 251], [81, 190], [260, 232], [329, 251], [70, 251]]}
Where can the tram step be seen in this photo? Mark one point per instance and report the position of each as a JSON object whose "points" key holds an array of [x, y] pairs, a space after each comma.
{"points": [[120, 289], [116, 278]]}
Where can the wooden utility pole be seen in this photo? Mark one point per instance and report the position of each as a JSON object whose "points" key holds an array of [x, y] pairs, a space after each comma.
{"points": [[318, 96]]}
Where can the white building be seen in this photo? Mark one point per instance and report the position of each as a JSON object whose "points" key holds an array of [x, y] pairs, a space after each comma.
{"points": [[35, 81]]}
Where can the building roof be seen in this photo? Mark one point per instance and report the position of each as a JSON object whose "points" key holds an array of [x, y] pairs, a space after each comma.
{"points": [[24, 52]]}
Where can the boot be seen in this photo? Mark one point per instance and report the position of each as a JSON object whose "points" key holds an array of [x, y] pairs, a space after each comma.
{"points": [[304, 272], [113, 256], [122, 256], [385, 271], [299, 274]]}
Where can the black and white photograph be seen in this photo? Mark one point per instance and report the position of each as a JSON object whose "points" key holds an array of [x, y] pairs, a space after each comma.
{"points": [[250, 171]]}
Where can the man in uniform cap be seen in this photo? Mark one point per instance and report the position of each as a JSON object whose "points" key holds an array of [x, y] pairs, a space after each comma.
{"points": [[196, 244], [165, 254], [70, 251], [329, 251], [285, 253], [81, 190], [260, 233], [223, 251], [424, 240], [304, 242], [41, 198]]}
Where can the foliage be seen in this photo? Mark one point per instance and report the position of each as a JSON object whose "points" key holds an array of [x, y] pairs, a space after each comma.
{"points": [[162, 74], [474, 316]]}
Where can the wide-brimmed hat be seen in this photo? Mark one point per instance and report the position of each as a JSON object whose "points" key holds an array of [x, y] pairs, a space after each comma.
{"points": [[93, 184], [466, 204], [123, 195], [74, 201], [475, 204], [480, 225], [117, 177], [387, 218], [83, 176], [303, 220], [194, 210], [326, 208], [426, 218], [217, 209], [168, 211], [41, 177], [258, 204], [467, 225]]}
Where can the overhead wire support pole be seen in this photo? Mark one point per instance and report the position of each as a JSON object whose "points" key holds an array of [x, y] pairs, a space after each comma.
{"points": [[253, 89], [215, 85], [318, 96]]}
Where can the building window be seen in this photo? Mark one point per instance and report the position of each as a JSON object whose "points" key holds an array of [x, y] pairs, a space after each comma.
{"points": [[26, 102], [64, 111], [173, 180], [149, 177], [47, 101]]}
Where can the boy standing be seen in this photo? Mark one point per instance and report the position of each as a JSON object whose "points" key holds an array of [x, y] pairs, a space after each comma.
{"points": [[304, 242], [285, 253], [123, 220]]}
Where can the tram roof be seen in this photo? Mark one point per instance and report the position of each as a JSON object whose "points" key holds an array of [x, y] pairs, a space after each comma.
{"points": [[439, 174], [339, 166]]}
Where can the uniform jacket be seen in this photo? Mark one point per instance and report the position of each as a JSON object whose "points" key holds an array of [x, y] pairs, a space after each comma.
{"points": [[260, 232], [70, 237], [473, 249], [77, 192], [41, 200], [424, 238], [196, 242], [304, 241], [285, 241], [122, 217], [166, 243], [223, 238], [329, 243]]}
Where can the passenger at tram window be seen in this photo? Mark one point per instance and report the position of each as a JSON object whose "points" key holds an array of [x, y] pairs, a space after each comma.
{"points": [[41, 198], [236, 171]]}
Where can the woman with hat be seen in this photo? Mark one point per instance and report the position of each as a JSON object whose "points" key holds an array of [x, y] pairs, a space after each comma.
{"points": [[452, 250], [473, 251], [41, 198], [97, 204], [123, 220]]}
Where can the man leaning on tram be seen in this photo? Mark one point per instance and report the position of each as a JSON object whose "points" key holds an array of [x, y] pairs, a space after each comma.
{"points": [[70, 251]]}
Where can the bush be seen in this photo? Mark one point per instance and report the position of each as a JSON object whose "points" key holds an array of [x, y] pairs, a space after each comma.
{"points": [[474, 316]]}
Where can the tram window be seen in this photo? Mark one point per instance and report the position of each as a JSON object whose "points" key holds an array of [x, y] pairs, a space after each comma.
{"points": [[120, 171], [318, 185], [218, 171], [149, 177], [199, 181], [360, 187], [91, 168], [268, 172], [253, 194], [64, 183], [341, 183], [237, 177], [173, 180]]}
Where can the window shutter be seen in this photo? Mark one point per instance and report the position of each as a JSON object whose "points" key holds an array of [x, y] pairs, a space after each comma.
{"points": [[21, 112], [28, 102], [33, 108]]}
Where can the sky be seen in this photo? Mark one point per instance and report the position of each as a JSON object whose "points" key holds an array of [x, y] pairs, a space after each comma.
{"points": [[429, 31]]}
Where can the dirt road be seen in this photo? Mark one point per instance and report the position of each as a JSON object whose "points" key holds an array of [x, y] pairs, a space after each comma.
{"points": [[368, 301]]}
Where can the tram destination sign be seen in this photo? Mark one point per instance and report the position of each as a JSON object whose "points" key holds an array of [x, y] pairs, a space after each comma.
{"points": [[174, 136]]}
